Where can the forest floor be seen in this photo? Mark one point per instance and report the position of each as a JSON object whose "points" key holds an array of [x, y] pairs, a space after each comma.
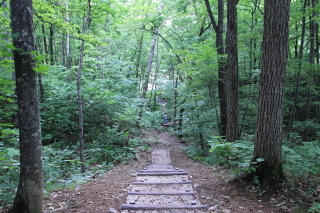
{"points": [[214, 186]]}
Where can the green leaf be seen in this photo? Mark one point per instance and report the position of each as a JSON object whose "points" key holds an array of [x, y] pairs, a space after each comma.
{"points": [[12, 152]]}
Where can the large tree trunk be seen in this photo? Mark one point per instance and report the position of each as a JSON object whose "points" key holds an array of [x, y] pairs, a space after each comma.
{"points": [[267, 145], [222, 64], [232, 50], [29, 195]]}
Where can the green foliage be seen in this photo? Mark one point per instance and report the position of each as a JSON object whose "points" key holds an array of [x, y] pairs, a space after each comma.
{"points": [[302, 161], [237, 155], [152, 120], [310, 125], [111, 154], [9, 164], [315, 207]]}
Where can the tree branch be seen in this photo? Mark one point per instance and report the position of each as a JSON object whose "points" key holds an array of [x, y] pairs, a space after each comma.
{"points": [[169, 45], [213, 22]]}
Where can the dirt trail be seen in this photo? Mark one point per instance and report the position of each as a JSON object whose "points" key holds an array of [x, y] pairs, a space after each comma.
{"points": [[108, 193]]}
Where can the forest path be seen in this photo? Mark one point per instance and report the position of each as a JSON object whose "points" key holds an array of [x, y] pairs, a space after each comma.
{"points": [[214, 189]]}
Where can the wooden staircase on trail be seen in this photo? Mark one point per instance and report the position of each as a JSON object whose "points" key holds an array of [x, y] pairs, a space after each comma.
{"points": [[161, 188]]}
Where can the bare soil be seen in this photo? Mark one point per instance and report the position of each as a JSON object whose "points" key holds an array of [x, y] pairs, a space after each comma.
{"points": [[214, 186]]}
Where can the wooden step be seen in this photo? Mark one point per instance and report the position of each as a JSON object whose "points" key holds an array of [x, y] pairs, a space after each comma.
{"points": [[162, 183], [162, 193], [162, 170], [162, 173], [159, 207]]}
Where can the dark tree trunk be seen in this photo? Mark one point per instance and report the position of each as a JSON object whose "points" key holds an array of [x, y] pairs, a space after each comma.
{"points": [[299, 55], [51, 44], [45, 45], [222, 64], [41, 88], [154, 84], [29, 195], [267, 143], [232, 51], [310, 77]]}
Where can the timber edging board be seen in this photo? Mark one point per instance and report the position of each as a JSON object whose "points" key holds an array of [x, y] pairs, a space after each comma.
{"points": [[159, 207], [161, 193], [162, 183], [150, 173]]}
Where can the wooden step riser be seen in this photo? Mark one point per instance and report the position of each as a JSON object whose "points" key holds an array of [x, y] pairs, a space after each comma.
{"points": [[161, 173], [160, 207], [161, 193], [162, 183], [159, 188]]}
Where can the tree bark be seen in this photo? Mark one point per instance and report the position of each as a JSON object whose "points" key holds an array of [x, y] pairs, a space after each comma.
{"points": [[232, 51], [68, 58], [147, 76], [29, 195], [310, 77], [139, 54], [267, 144], [149, 67], [80, 113], [299, 55], [222, 64], [86, 24], [45, 43], [51, 44]]}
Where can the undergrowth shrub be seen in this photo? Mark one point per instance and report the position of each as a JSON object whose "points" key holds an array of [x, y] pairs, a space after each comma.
{"points": [[9, 164], [300, 163], [62, 166], [9, 173], [301, 166]]}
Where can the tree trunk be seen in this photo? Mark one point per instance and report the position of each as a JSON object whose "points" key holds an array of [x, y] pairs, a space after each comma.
{"points": [[68, 58], [86, 24], [29, 195], [147, 76], [299, 55], [80, 113], [154, 84], [139, 54], [51, 44], [310, 77], [267, 144], [149, 67], [232, 51], [45, 43], [222, 64], [41, 87]]}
